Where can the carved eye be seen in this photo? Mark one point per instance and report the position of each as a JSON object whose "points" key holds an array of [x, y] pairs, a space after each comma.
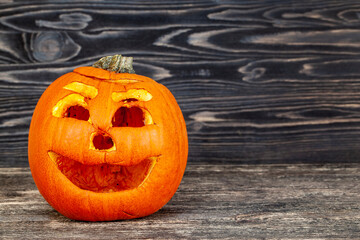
{"points": [[77, 112], [72, 106], [131, 117], [128, 117]]}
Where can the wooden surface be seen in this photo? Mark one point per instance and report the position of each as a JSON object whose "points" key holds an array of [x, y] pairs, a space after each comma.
{"points": [[258, 81], [213, 202]]}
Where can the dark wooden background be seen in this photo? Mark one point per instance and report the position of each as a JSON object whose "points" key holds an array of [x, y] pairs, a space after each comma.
{"points": [[258, 81], [270, 91]]}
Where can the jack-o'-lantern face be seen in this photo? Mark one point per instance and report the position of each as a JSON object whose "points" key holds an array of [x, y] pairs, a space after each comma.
{"points": [[106, 146]]}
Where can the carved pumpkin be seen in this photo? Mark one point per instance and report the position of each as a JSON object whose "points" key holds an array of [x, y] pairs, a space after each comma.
{"points": [[106, 143]]}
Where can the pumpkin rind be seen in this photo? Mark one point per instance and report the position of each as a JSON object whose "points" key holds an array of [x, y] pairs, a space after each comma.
{"points": [[166, 140]]}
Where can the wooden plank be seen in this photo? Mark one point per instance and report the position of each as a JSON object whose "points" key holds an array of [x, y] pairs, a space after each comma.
{"points": [[258, 82], [213, 202]]}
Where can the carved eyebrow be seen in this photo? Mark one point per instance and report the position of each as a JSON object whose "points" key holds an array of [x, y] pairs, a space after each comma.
{"points": [[138, 94], [83, 89]]}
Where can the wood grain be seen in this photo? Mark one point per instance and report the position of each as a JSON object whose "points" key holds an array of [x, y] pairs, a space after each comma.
{"points": [[258, 81], [213, 202]]}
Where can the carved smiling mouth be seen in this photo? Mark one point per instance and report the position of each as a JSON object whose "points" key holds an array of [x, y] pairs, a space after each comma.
{"points": [[103, 177]]}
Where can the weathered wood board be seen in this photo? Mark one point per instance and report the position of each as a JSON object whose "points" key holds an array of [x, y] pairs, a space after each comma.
{"points": [[258, 81], [213, 202]]}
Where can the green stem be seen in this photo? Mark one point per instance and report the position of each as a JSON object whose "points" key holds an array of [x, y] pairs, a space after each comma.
{"points": [[116, 63]]}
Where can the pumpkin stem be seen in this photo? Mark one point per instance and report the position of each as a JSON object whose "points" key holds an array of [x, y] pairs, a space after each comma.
{"points": [[116, 63]]}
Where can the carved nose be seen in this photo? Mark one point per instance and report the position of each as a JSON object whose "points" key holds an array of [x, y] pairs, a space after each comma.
{"points": [[102, 142]]}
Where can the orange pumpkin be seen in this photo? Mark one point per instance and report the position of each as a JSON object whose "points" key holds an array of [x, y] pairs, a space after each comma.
{"points": [[106, 143]]}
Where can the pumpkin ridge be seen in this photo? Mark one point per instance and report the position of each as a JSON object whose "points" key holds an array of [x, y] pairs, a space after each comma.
{"points": [[131, 215]]}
